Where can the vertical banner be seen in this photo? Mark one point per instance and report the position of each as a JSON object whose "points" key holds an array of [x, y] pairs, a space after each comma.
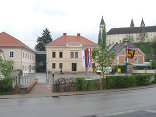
{"points": [[86, 58]]}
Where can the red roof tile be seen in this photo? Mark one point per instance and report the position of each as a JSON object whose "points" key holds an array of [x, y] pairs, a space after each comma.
{"points": [[7, 40], [66, 38]]}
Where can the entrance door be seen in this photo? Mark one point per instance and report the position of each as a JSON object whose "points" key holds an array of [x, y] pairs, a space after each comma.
{"points": [[74, 66]]}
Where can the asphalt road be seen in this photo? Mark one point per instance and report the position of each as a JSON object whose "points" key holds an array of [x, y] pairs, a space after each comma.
{"points": [[132, 103]]}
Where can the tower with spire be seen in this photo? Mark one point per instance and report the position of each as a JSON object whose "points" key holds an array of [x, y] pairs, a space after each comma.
{"points": [[132, 23], [102, 24], [142, 23]]}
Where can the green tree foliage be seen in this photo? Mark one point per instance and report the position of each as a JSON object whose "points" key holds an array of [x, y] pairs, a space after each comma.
{"points": [[153, 45], [6, 67], [43, 40], [99, 37], [102, 58], [102, 37]]}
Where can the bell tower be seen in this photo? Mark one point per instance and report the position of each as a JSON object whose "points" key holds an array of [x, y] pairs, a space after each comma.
{"points": [[102, 24]]}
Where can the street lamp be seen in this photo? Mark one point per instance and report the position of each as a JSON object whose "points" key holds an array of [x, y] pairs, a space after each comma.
{"points": [[126, 43]]}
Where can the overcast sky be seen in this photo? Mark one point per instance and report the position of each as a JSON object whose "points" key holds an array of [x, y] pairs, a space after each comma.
{"points": [[26, 19]]}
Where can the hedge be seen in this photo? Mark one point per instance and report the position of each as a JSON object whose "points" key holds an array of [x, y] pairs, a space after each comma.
{"points": [[126, 81], [122, 81], [86, 85], [154, 78], [142, 79], [6, 86]]}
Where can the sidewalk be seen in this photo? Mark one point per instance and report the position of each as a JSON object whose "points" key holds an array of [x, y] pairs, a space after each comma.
{"points": [[49, 94]]}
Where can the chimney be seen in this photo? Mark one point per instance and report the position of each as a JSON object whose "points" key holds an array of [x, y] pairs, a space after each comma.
{"points": [[78, 34], [64, 34]]}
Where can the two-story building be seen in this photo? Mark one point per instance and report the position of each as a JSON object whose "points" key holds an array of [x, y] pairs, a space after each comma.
{"points": [[120, 54], [66, 53], [22, 56]]}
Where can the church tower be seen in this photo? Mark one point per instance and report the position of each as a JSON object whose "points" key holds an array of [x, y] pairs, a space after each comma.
{"points": [[102, 24], [142, 23], [132, 23]]}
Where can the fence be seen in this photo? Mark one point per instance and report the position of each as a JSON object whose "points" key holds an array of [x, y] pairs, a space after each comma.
{"points": [[22, 79], [64, 85]]}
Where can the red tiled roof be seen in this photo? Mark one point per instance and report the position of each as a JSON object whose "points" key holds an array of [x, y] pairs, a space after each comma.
{"points": [[66, 38], [7, 40]]}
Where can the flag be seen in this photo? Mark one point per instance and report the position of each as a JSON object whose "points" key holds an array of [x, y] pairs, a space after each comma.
{"points": [[86, 57]]}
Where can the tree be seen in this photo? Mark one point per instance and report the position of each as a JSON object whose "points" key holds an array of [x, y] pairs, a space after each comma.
{"points": [[102, 58], [6, 67], [153, 45], [99, 37], [102, 37], [43, 40]]}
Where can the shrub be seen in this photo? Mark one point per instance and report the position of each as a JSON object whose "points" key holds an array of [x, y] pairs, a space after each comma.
{"points": [[154, 78], [19, 70], [142, 79], [6, 86], [81, 84], [121, 81], [87, 85]]}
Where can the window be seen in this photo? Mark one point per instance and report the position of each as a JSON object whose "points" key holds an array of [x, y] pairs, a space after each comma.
{"points": [[60, 54], [76, 54], [11, 54], [71, 54], [60, 65], [123, 51], [23, 54], [136, 59], [28, 56], [53, 65], [53, 54], [138, 51]]}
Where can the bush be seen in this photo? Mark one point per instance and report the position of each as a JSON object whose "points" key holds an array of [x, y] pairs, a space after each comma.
{"points": [[154, 78], [142, 79], [6, 86], [121, 81], [81, 84], [19, 70], [87, 85], [126, 81]]}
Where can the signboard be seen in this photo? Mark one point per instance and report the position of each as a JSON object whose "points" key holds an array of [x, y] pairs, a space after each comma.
{"points": [[130, 53]]}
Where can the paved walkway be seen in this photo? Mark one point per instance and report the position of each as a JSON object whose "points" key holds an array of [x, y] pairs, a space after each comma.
{"points": [[41, 88]]}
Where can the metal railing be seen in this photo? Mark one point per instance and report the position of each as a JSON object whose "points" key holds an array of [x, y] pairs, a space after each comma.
{"points": [[22, 79]]}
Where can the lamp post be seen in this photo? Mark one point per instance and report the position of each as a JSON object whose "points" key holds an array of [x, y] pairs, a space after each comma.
{"points": [[126, 42]]}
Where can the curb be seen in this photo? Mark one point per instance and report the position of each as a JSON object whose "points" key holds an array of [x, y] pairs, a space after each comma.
{"points": [[57, 95]]}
